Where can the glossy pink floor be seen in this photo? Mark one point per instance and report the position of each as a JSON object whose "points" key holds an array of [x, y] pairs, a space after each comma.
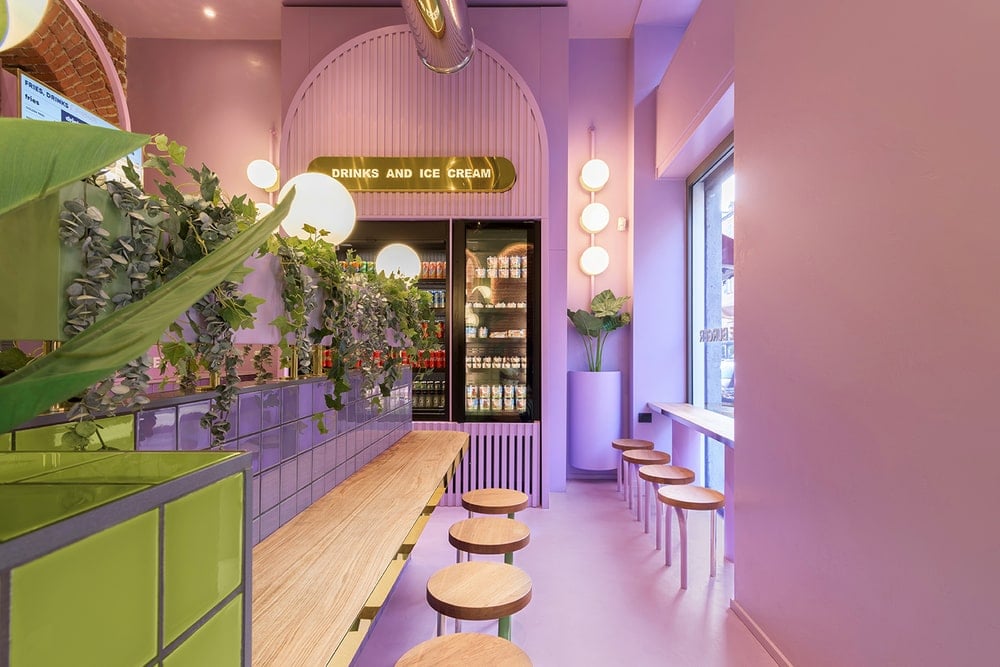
{"points": [[601, 594]]}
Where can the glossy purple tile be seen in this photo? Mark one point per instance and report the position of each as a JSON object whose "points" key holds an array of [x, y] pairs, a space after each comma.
{"points": [[269, 489], [269, 522], [270, 408], [251, 444], [249, 414], [288, 479], [341, 448], [316, 489], [255, 531], [296, 401], [190, 434], [319, 390], [270, 448], [287, 510], [255, 496], [303, 435], [156, 430], [305, 468], [303, 499], [288, 445]]}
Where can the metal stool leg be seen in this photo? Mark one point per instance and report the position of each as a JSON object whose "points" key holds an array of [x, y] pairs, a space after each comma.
{"points": [[682, 522], [647, 486], [618, 480], [659, 524], [668, 539], [440, 624], [711, 572]]}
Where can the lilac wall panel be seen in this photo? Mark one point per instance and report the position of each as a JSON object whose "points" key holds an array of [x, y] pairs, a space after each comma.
{"points": [[372, 96]]}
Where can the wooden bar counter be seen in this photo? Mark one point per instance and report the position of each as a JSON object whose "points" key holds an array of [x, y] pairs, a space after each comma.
{"points": [[319, 579]]}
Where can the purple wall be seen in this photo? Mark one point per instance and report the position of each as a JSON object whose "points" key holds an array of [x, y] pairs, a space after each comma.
{"points": [[866, 254], [215, 97]]}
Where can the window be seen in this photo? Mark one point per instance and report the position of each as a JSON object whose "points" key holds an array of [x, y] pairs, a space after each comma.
{"points": [[712, 372]]}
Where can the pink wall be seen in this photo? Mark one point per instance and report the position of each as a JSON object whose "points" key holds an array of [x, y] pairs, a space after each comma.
{"points": [[866, 142], [216, 97], [658, 254], [700, 77]]}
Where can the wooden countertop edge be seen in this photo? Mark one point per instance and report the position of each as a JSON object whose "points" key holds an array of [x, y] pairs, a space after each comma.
{"points": [[314, 574], [712, 424]]}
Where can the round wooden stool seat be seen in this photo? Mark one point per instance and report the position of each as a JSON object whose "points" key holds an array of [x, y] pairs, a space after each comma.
{"points": [[666, 474], [689, 497], [489, 535], [462, 650], [494, 501], [625, 444], [632, 459], [479, 591]]}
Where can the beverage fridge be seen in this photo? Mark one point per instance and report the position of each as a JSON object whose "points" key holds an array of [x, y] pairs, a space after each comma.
{"points": [[484, 284], [495, 311]]}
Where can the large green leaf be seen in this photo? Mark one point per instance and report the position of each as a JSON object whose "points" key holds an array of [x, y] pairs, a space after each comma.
{"points": [[33, 169], [101, 349], [4, 21]]}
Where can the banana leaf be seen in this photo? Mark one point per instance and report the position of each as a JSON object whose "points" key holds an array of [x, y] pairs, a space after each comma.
{"points": [[103, 348], [39, 156]]}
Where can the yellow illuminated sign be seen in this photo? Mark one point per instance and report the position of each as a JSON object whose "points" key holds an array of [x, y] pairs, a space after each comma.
{"points": [[419, 174]]}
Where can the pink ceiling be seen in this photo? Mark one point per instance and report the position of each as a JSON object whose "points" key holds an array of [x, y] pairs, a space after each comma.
{"points": [[261, 19]]}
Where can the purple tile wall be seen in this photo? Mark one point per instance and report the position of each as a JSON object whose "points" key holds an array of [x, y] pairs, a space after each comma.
{"points": [[294, 463]]}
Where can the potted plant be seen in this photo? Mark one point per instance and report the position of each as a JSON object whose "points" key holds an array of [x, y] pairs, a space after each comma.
{"points": [[594, 395]]}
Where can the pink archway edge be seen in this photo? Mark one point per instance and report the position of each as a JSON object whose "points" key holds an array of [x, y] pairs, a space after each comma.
{"points": [[124, 120]]}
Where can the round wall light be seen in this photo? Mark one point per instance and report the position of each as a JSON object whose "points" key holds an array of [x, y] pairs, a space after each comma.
{"points": [[322, 202], [595, 217], [398, 258], [263, 209], [595, 174], [23, 18], [594, 260], [263, 174]]}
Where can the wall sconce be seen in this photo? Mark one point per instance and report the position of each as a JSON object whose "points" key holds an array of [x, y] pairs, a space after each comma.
{"points": [[321, 202], [595, 216], [23, 18], [263, 174], [398, 258]]}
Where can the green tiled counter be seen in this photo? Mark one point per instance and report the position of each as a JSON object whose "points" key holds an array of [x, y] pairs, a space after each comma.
{"points": [[124, 558]]}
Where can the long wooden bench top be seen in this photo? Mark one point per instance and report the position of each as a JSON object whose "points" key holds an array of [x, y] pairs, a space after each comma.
{"points": [[313, 575], [714, 425]]}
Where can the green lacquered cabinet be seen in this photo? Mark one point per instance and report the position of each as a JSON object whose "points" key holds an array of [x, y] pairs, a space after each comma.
{"points": [[128, 558]]}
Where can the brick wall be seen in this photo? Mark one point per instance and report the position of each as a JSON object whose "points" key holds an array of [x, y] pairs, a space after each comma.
{"points": [[59, 55]]}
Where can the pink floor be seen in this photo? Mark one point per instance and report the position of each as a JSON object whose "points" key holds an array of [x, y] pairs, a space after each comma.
{"points": [[601, 594]]}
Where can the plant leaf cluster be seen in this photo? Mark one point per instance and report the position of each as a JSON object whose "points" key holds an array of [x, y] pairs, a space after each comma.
{"points": [[594, 326]]}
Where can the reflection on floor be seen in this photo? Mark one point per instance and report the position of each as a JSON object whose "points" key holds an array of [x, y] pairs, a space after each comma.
{"points": [[601, 595]]}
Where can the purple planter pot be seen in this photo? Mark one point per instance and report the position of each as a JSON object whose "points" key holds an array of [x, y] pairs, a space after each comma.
{"points": [[593, 413]]}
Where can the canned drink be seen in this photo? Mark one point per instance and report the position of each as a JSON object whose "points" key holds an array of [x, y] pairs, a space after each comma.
{"points": [[480, 272], [508, 404], [496, 391], [491, 262], [472, 404], [484, 332], [508, 391], [515, 272], [520, 404], [504, 261], [515, 262], [504, 272], [484, 391], [471, 391], [496, 404], [521, 391]]}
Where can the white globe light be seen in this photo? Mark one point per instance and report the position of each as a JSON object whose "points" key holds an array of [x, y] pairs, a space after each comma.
{"points": [[23, 16], [263, 174], [595, 174], [322, 202], [398, 258], [594, 260], [263, 209], [595, 217]]}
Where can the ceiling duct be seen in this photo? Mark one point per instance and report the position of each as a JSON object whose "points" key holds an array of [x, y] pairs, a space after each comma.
{"points": [[441, 31]]}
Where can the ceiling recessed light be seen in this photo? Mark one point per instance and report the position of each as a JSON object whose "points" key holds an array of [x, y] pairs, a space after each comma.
{"points": [[209, 12]]}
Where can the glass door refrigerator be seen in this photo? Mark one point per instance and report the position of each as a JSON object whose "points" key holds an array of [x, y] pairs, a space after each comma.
{"points": [[495, 310], [429, 238]]}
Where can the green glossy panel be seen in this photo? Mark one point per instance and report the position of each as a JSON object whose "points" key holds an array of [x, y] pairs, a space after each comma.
{"points": [[90, 603], [28, 507], [203, 552], [17, 466], [6, 442], [215, 644], [137, 467], [117, 433]]}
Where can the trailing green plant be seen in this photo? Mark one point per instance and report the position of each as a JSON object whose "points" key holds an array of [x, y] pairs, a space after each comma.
{"points": [[261, 362], [297, 296], [595, 325]]}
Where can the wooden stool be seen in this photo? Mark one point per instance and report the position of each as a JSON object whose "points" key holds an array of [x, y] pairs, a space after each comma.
{"points": [[656, 475], [624, 445], [463, 650], [489, 535], [634, 459], [479, 591], [494, 501], [683, 498]]}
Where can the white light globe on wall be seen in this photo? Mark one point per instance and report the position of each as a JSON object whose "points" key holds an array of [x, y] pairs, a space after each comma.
{"points": [[595, 174], [595, 217], [263, 209], [398, 258], [23, 18], [263, 174], [322, 202], [594, 260]]}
